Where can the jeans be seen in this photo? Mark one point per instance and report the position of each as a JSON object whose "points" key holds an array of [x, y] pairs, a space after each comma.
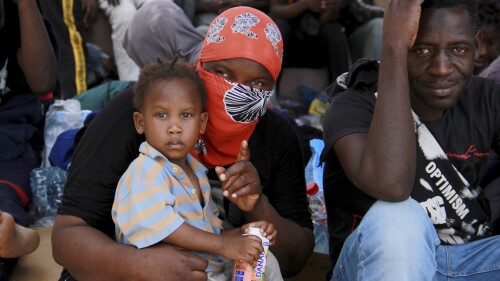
{"points": [[397, 241], [366, 40]]}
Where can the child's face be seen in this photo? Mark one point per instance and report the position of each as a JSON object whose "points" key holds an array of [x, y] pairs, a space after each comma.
{"points": [[172, 118], [242, 71]]}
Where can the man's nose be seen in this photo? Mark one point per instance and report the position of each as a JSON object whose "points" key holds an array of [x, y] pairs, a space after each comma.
{"points": [[441, 64]]}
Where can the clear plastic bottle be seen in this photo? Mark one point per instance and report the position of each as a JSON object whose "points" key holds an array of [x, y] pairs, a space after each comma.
{"points": [[316, 203], [319, 217], [47, 186]]}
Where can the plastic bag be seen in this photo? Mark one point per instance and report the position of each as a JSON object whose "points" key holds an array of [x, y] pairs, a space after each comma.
{"points": [[314, 173], [61, 116]]}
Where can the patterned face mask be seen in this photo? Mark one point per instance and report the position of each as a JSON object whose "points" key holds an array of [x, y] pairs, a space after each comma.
{"points": [[246, 104]]}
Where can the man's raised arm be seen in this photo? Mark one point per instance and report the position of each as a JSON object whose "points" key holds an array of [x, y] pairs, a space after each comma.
{"points": [[382, 162]]}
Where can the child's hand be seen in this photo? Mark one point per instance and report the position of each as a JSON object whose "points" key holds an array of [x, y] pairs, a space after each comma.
{"points": [[267, 230], [244, 248]]}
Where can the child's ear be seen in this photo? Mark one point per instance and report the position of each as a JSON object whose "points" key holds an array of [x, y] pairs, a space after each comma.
{"points": [[203, 125], [139, 123]]}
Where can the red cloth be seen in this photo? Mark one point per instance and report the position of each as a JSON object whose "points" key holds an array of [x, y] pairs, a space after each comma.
{"points": [[240, 32]]}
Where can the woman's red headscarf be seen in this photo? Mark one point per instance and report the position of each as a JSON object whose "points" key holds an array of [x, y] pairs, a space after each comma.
{"points": [[234, 109]]}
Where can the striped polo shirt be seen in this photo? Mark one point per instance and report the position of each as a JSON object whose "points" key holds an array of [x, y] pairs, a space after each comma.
{"points": [[154, 197]]}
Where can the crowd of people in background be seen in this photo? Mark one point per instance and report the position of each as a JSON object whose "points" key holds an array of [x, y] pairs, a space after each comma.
{"points": [[440, 55]]}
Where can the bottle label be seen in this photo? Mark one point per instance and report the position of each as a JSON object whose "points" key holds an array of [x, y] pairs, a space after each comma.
{"points": [[248, 272]]}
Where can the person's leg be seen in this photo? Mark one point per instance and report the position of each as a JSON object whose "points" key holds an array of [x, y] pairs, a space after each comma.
{"points": [[66, 17], [15, 238], [477, 260], [395, 241], [339, 57], [366, 40], [120, 17]]}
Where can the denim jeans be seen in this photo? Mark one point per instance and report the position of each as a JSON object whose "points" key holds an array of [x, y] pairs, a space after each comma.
{"points": [[397, 241]]}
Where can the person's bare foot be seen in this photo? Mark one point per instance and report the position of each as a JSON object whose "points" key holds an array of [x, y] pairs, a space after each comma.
{"points": [[16, 240]]}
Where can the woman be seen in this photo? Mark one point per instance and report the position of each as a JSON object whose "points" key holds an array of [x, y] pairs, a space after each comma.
{"points": [[241, 54]]}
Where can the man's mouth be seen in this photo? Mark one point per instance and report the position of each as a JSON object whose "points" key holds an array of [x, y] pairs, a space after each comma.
{"points": [[478, 64], [441, 88]]}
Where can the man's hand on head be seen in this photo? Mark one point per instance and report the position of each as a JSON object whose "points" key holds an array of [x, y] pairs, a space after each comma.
{"points": [[401, 22]]}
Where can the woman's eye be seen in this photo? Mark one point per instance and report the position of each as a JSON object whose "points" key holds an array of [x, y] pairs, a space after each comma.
{"points": [[256, 84], [222, 74]]}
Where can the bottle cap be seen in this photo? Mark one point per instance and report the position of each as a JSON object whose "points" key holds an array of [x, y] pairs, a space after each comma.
{"points": [[312, 188]]}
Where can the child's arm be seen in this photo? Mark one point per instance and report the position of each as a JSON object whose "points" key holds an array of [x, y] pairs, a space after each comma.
{"points": [[247, 248]]}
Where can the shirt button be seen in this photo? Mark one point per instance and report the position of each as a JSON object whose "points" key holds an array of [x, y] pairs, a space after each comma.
{"points": [[174, 170], [193, 191]]}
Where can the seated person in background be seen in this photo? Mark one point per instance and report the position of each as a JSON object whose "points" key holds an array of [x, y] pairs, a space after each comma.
{"points": [[312, 36], [379, 153], [492, 71], [120, 13], [207, 10], [27, 70], [270, 186], [489, 15], [164, 196], [363, 21], [489, 25], [69, 29], [162, 29]]}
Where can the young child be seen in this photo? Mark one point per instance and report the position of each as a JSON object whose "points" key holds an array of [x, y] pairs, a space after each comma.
{"points": [[164, 196]]}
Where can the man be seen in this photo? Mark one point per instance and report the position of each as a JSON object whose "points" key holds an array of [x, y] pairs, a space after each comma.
{"points": [[377, 151], [27, 70], [489, 24]]}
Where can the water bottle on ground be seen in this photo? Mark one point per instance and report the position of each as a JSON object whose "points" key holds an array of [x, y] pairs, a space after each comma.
{"points": [[47, 186], [318, 215]]}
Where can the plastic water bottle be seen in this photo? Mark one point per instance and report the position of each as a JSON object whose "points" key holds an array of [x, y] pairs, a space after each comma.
{"points": [[316, 203], [47, 186], [318, 214]]}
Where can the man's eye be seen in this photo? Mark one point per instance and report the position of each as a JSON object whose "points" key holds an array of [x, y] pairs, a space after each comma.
{"points": [[422, 51], [460, 51], [161, 115]]}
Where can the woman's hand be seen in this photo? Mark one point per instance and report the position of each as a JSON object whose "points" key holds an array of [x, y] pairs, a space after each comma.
{"points": [[240, 182]]}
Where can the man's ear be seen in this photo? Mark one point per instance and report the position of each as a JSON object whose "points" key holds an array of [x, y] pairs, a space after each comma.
{"points": [[139, 122], [478, 42], [204, 120]]}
